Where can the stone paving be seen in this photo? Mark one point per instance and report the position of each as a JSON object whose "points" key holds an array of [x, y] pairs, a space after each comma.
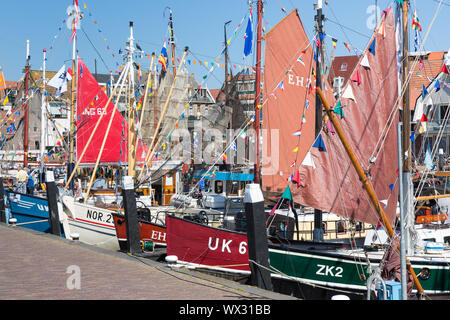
{"points": [[41, 266]]}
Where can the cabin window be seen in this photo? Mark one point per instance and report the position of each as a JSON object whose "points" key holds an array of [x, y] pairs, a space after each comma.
{"points": [[430, 239], [324, 227], [447, 240], [218, 187], [340, 227], [359, 226]]}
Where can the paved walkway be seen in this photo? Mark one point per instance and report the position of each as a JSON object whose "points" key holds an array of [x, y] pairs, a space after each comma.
{"points": [[41, 266]]}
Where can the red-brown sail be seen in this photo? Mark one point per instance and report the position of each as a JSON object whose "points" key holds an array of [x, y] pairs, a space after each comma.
{"points": [[91, 102], [328, 181], [288, 76]]}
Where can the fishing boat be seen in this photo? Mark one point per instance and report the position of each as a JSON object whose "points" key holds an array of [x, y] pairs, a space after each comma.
{"points": [[311, 269]]}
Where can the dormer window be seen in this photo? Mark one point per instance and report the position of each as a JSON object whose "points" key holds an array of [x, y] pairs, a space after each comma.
{"points": [[344, 67]]}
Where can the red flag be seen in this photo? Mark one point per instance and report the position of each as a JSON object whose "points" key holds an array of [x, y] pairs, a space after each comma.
{"points": [[356, 77], [296, 178], [424, 118], [75, 21], [444, 69]]}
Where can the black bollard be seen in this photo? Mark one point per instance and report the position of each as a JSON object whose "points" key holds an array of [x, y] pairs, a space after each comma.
{"points": [[258, 250], [2, 202], [50, 184], [131, 220]]}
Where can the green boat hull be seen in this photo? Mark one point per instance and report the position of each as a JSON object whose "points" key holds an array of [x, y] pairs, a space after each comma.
{"points": [[341, 271]]}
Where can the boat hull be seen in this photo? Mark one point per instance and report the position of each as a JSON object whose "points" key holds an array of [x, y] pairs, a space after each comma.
{"points": [[32, 213], [148, 232], [321, 266], [94, 225], [201, 245]]}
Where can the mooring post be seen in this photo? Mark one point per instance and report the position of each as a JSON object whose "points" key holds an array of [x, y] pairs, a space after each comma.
{"points": [[258, 250], [131, 220], [2, 202], [53, 212]]}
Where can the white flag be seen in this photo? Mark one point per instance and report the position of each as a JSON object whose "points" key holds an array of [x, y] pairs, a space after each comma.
{"points": [[60, 80]]}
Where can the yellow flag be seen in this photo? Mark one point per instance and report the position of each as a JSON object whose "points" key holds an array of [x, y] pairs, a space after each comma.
{"points": [[6, 100], [295, 150]]}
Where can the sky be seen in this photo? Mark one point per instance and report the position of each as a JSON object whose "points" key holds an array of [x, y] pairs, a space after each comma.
{"points": [[198, 24]]}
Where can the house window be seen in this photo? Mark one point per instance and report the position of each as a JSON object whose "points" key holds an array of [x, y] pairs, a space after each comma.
{"points": [[344, 67]]}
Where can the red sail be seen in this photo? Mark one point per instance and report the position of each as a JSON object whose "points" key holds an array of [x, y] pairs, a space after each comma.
{"points": [[288, 75], [328, 181], [91, 102]]}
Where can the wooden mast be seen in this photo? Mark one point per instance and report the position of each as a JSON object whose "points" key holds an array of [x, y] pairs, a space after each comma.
{"points": [[258, 92], [318, 231], [25, 125], [365, 181]]}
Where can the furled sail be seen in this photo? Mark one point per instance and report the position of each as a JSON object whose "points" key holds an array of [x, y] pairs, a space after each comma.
{"points": [[368, 115], [289, 108], [91, 102]]}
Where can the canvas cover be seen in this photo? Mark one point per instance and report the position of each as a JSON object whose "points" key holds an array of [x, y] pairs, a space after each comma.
{"points": [[328, 181]]}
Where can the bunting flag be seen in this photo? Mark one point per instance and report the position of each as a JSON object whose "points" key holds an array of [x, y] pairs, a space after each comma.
{"points": [[356, 77], [6, 100], [365, 62], [281, 85], [2, 82], [334, 41], [248, 36], [424, 92], [287, 194], [298, 133], [372, 46], [348, 93], [424, 118], [308, 161], [320, 144], [293, 164], [437, 86], [295, 149], [444, 69], [347, 46], [338, 109], [413, 137], [300, 60], [296, 178]]}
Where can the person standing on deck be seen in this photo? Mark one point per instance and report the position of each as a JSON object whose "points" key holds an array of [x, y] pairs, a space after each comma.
{"points": [[30, 183], [21, 180]]}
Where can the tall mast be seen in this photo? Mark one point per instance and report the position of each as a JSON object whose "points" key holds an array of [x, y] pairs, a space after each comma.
{"points": [[258, 91], [43, 114], [318, 231], [172, 42], [25, 126], [131, 123], [71, 163], [406, 133], [226, 60]]}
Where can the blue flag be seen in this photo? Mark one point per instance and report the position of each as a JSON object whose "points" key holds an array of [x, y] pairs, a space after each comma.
{"points": [[248, 36], [437, 86], [320, 144], [424, 92]]}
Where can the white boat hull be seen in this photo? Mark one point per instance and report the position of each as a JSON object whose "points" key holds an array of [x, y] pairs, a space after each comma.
{"points": [[94, 225]]}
